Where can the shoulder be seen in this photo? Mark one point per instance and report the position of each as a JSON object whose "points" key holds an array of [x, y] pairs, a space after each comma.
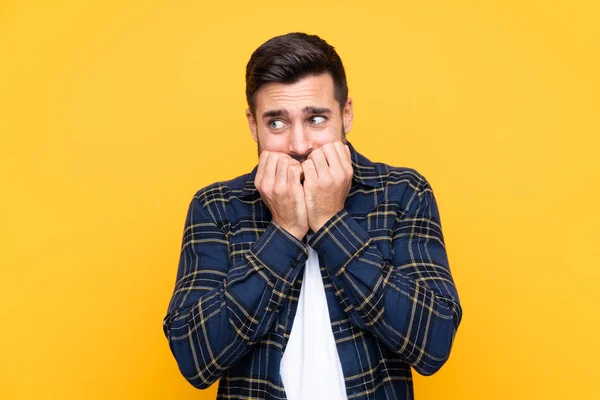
{"points": [[221, 189], [214, 198], [386, 175], [403, 187], [400, 177]]}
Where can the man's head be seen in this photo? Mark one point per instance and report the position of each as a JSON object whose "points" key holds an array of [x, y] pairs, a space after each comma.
{"points": [[297, 95]]}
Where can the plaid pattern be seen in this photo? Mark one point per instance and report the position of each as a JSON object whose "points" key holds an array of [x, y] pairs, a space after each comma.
{"points": [[391, 297]]}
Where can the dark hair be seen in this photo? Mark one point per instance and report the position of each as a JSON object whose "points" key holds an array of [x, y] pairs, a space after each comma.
{"points": [[291, 57]]}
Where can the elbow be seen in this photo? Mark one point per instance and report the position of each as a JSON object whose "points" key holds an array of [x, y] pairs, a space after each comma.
{"points": [[196, 373], [200, 384], [429, 368], [441, 336], [193, 370], [429, 363]]}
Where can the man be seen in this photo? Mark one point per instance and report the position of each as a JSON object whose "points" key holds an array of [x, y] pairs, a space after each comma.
{"points": [[320, 274]]}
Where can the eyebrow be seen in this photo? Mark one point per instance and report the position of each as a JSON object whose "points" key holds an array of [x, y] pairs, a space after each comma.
{"points": [[306, 110]]}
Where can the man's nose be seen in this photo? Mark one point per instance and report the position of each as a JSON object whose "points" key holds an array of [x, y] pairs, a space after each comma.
{"points": [[299, 141]]}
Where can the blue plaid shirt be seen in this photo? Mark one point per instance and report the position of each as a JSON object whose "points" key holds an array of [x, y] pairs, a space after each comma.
{"points": [[392, 300]]}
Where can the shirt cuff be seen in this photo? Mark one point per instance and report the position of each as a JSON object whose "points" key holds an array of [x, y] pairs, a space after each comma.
{"points": [[339, 241], [279, 250]]}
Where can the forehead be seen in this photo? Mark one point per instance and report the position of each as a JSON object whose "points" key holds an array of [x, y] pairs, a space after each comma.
{"points": [[313, 90]]}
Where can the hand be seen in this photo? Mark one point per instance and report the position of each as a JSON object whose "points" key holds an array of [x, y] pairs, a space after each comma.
{"points": [[278, 182], [327, 181]]}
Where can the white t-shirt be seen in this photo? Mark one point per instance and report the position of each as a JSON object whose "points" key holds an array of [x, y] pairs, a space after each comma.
{"points": [[310, 366]]}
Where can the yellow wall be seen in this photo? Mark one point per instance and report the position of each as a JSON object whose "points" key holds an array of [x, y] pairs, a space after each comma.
{"points": [[113, 113]]}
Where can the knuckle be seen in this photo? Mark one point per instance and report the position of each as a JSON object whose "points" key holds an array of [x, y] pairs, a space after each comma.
{"points": [[267, 192], [278, 190]]}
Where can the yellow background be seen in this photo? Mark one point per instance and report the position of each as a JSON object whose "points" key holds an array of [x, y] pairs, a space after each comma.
{"points": [[113, 113]]}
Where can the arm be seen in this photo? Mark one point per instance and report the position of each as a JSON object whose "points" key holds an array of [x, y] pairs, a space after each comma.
{"points": [[409, 303], [218, 311]]}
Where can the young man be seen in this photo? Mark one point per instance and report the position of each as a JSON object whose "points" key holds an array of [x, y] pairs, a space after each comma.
{"points": [[320, 274]]}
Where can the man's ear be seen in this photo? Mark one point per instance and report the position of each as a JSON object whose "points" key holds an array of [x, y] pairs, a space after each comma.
{"points": [[348, 115], [252, 124]]}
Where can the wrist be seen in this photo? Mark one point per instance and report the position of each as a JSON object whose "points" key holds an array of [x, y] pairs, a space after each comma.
{"points": [[298, 233], [319, 223]]}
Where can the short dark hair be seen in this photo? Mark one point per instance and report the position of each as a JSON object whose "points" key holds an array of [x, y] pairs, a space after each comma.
{"points": [[291, 57]]}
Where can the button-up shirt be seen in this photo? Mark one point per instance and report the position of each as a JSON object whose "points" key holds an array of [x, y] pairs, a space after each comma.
{"points": [[310, 367], [391, 297]]}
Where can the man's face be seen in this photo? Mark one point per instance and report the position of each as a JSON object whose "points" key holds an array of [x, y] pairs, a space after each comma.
{"points": [[300, 117]]}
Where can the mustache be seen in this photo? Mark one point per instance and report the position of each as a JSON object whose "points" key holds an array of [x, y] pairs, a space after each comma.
{"points": [[300, 158]]}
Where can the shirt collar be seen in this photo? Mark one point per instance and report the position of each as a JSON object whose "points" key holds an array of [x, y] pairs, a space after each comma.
{"points": [[365, 172]]}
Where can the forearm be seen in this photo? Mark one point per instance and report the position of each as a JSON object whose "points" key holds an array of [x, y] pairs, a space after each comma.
{"points": [[210, 330], [416, 318]]}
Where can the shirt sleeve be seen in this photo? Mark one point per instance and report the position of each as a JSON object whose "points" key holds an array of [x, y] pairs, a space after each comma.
{"points": [[411, 304], [217, 310]]}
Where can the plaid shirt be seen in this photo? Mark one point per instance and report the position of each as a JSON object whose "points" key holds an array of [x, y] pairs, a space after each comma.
{"points": [[392, 300]]}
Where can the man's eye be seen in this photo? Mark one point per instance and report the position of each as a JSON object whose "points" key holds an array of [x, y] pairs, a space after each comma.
{"points": [[317, 119], [276, 124]]}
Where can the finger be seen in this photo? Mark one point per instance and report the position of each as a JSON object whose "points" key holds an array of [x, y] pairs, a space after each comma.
{"points": [[270, 168], [344, 156], [310, 172], [260, 171], [294, 171], [297, 165], [343, 151], [320, 162], [293, 161], [335, 165], [281, 173]]}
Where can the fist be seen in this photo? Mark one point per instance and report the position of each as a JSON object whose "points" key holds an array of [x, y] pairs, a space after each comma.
{"points": [[278, 182], [327, 180]]}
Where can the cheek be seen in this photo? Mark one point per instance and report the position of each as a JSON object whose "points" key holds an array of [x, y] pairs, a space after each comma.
{"points": [[332, 134], [273, 143]]}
